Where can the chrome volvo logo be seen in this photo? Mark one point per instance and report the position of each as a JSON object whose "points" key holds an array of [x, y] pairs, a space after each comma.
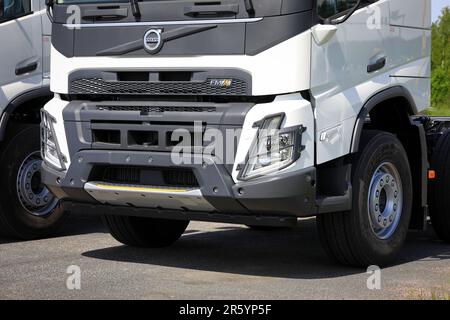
{"points": [[153, 40]]}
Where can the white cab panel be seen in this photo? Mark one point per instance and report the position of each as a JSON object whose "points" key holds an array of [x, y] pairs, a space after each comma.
{"points": [[21, 45], [283, 68], [340, 83], [411, 13]]}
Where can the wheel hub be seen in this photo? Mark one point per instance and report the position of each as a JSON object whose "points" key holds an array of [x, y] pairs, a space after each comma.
{"points": [[385, 200], [33, 195]]}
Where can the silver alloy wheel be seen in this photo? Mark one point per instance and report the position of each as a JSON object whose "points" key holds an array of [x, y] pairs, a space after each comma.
{"points": [[33, 195], [385, 200]]}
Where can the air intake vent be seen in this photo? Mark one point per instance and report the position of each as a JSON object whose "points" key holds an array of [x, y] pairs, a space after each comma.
{"points": [[170, 177], [152, 109], [210, 87]]}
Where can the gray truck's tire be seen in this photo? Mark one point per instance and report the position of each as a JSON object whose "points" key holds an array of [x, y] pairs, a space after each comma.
{"points": [[354, 238], [263, 228], [440, 188], [20, 216], [145, 232]]}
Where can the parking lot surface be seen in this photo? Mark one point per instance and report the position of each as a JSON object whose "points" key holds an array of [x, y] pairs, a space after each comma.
{"points": [[212, 261]]}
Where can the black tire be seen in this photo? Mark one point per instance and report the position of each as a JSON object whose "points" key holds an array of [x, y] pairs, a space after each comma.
{"points": [[17, 220], [263, 228], [145, 232], [440, 188], [348, 237]]}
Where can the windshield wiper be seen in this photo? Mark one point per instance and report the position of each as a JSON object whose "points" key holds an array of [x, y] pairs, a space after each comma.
{"points": [[135, 8]]}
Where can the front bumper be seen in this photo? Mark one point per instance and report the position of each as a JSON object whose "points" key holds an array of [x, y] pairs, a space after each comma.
{"points": [[289, 194]]}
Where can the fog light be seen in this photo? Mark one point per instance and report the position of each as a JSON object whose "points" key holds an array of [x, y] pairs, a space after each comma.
{"points": [[50, 152]]}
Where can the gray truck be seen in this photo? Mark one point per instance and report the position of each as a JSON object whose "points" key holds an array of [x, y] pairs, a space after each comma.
{"points": [[27, 209]]}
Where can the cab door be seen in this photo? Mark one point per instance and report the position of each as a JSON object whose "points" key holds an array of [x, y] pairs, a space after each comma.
{"points": [[349, 63], [20, 48]]}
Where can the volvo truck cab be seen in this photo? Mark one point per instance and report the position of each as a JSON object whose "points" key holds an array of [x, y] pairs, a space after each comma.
{"points": [[256, 112], [28, 210]]}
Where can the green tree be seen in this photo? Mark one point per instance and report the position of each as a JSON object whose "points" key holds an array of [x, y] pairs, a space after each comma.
{"points": [[440, 61]]}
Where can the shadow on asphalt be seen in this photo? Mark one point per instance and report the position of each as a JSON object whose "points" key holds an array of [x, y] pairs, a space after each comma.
{"points": [[287, 253], [77, 224]]}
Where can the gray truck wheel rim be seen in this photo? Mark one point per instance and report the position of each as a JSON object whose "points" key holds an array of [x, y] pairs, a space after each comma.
{"points": [[33, 195], [385, 201]]}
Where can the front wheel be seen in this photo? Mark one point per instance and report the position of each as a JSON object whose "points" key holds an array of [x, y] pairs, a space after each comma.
{"points": [[145, 232], [28, 210], [374, 231]]}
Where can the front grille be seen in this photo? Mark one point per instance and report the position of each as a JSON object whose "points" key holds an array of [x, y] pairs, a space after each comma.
{"points": [[100, 87], [153, 109], [180, 178], [144, 176], [127, 175]]}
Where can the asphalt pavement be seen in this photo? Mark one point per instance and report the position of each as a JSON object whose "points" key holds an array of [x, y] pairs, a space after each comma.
{"points": [[212, 261]]}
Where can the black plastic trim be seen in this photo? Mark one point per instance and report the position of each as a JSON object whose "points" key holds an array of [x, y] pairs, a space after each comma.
{"points": [[390, 93], [17, 102]]}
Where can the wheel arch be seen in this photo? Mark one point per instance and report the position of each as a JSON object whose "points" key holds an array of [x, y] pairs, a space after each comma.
{"points": [[24, 109], [392, 110]]}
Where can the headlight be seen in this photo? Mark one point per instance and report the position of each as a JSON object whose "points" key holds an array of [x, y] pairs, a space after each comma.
{"points": [[50, 152], [273, 149]]}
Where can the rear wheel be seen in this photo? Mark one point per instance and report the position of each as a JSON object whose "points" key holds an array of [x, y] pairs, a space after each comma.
{"points": [[145, 232], [440, 188], [28, 210], [374, 231]]}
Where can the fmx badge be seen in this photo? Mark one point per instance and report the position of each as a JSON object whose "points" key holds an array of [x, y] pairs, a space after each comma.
{"points": [[221, 83], [153, 41]]}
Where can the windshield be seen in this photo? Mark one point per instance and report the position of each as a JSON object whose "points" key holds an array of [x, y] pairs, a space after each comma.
{"points": [[95, 1], [87, 1]]}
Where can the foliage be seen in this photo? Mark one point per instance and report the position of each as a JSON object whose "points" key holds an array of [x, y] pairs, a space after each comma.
{"points": [[440, 64]]}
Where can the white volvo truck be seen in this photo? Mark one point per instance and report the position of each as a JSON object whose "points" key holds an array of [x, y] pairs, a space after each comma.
{"points": [[321, 97], [27, 209]]}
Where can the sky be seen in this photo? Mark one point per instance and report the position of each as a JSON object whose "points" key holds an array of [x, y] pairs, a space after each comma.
{"points": [[437, 5]]}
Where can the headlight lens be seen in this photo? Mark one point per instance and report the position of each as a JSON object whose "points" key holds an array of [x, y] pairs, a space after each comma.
{"points": [[49, 143], [273, 149]]}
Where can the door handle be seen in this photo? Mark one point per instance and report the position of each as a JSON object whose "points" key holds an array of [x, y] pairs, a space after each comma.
{"points": [[211, 10], [21, 69], [380, 63]]}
